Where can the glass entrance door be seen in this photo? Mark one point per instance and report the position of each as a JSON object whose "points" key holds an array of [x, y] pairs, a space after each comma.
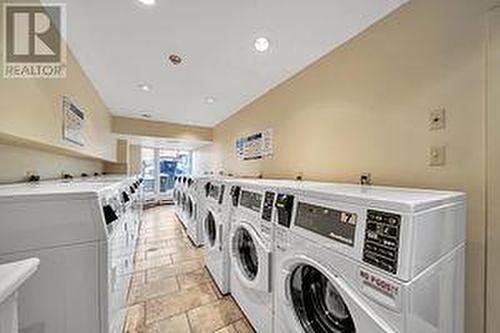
{"points": [[159, 167], [167, 164], [148, 173]]}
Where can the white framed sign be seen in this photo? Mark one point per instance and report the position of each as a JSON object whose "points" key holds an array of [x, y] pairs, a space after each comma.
{"points": [[73, 122], [255, 146]]}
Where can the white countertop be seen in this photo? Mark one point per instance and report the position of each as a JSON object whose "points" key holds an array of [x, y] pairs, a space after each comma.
{"points": [[13, 275]]}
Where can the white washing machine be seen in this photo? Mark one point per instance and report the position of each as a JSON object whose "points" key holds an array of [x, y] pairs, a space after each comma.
{"points": [[251, 247], [190, 209], [197, 195], [177, 194], [81, 231], [216, 231], [350, 258], [182, 206]]}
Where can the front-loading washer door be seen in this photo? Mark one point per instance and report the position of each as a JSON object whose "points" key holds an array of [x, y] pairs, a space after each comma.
{"points": [[190, 207], [184, 201], [322, 302], [251, 258], [318, 305], [210, 227]]}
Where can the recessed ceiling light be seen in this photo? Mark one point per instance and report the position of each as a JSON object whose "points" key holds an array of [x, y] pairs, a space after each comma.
{"points": [[147, 2], [174, 59], [210, 100], [261, 44], [144, 87]]}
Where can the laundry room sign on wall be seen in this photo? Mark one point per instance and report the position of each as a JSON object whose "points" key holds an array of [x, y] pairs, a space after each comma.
{"points": [[255, 146], [73, 122]]}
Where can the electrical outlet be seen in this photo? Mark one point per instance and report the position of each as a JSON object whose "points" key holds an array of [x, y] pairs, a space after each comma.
{"points": [[365, 178], [437, 119], [437, 156]]}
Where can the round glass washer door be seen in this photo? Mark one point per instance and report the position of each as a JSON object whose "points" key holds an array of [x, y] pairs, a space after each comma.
{"points": [[318, 305], [183, 203], [246, 253], [190, 207], [210, 229], [176, 197]]}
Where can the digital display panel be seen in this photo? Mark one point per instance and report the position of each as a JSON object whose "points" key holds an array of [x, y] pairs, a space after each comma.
{"points": [[328, 222], [251, 200]]}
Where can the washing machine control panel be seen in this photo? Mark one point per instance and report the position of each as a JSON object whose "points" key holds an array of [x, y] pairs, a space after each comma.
{"points": [[381, 245], [251, 200], [267, 210], [284, 209], [221, 194], [328, 222], [235, 195]]}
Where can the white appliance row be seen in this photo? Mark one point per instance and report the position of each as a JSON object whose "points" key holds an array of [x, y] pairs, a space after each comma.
{"points": [[188, 192], [84, 232], [322, 257]]}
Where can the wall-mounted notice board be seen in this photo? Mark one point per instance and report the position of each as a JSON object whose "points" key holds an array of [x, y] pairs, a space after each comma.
{"points": [[73, 122], [255, 146]]}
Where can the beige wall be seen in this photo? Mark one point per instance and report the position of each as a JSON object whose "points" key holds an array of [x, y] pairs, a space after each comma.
{"points": [[493, 177], [31, 112], [365, 108], [147, 128], [135, 160], [16, 162], [122, 156], [129, 159], [202, 160]]}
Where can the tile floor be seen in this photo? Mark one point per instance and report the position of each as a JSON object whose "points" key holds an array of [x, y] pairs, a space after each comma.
{"points": [[171, 291]]}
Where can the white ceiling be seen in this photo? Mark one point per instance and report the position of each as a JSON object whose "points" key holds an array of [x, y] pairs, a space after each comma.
{"points": [[120, 44]]}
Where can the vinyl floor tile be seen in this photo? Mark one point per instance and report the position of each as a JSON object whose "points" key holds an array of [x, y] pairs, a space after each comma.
{"points": [[135, 322], [175, 324], [152, 289], [179, 302], [211, 317]]}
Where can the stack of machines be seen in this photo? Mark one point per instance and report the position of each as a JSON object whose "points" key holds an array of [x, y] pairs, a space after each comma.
{"points": [[313, 257], [84, 231]]}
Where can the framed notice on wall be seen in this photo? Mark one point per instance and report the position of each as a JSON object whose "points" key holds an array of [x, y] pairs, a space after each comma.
{"points": [[255, 146], [73, 122]]}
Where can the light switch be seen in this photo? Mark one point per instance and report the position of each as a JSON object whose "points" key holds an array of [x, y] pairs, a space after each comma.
{"points": [[437, 156], [437, 119]]}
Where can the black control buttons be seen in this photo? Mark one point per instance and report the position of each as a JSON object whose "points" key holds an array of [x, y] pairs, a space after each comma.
{"points": [[381, 245], [284, 208]]}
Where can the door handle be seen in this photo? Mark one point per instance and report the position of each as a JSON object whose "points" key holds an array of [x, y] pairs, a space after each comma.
{"points": [[220, 237]]}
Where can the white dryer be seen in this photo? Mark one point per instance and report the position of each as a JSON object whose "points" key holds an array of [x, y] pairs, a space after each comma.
{"points": [[251, 246], [197, 195], [176, 193], [82, 231], [190, 208], [369, 259], [216, 232], [182, 206]]}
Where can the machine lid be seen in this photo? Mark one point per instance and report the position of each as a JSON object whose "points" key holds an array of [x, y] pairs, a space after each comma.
{"points": [[318, 305], [210, 229]]}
